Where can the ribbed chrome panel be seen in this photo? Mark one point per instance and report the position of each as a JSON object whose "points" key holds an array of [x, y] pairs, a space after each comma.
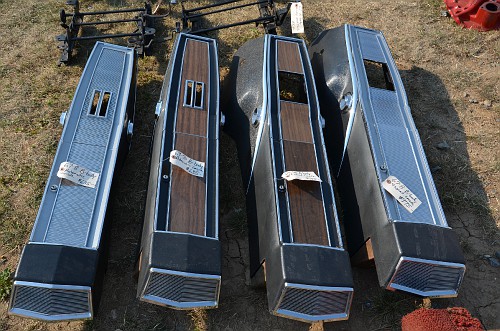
{"points": [[428, 279], [50, 303], [182, 290], [313, 305]]}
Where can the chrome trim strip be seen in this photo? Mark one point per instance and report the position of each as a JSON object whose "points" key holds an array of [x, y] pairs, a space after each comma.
{"points": [[434, 294], [318, 287], [161, 160], [114, 152], [189, 234], [217, 132], [184, 274], [280, 130], [354, 79], [267, 95], [264, 110], [329, 179], [208, 131], [48, 318], [310, 318], [55, 244], [314, 92], [313, 245], [176, 110], [52, 286], [178, 305], [433, 262]]}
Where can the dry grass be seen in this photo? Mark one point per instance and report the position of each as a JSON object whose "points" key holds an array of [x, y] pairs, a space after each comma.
{"points": [[438, 61]]}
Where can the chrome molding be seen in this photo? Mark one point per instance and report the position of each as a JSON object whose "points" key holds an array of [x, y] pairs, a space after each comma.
{"points": [[354, 101]]}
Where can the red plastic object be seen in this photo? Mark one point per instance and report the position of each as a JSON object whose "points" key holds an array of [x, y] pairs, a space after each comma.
{"points": [[451, 319], [481, 15]]}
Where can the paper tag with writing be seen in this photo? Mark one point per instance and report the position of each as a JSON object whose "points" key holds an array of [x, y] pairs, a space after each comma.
{"points": [[193, 167], [402, 193], [77, 174], [297, 19], [300, 175]]}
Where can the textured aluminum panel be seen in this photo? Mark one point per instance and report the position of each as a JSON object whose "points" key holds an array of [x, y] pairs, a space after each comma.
{"points": [[370, 46], [394, 140], [428, 278], [313, 304], [75, 202], [182, 290], [107, 77], [70, 214], [50, 303]]}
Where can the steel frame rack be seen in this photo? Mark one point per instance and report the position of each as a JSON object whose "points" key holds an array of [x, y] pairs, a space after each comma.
{"points": [[141, 39], [269, 17]]}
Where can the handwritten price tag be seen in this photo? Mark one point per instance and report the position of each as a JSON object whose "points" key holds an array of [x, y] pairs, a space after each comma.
{"points": [[300, 175], [77, 174], [193, 167], [402, 193], [297, 20]]}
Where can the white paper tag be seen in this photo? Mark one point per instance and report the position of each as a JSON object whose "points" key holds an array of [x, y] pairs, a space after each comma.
{"points": [[402, 193], [297, 19], [193, 167], [77, 174], [300, 175]]}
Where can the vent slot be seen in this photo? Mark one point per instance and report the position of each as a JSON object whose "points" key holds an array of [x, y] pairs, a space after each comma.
{"points": [[95, 102], [189, 93], [198, 99], [194, 94], [378, 75], [104, 104], [100, 103], [292, 87]]}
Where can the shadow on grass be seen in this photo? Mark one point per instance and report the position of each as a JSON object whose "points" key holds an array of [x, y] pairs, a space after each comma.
{"points": [[461, 191]]}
